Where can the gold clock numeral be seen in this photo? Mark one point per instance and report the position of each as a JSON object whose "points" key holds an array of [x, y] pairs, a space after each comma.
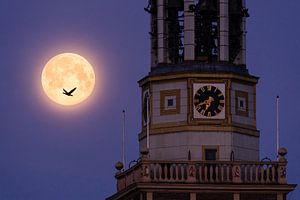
{"points": [[220, 107], [219, 95], [209, 114], [209, 87], [202, 112], [196, 100], [222, 101], [202, 89]]}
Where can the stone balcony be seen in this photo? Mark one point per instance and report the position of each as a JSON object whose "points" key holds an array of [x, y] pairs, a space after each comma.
{"points": [[203, 180], [204, 172]]}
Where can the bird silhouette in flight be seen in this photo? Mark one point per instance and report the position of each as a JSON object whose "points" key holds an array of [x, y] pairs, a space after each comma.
{"points": [[69, 93]]}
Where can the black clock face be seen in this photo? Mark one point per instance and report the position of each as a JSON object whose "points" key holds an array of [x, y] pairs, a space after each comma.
{"points": [[145, 107], [209, 101]]}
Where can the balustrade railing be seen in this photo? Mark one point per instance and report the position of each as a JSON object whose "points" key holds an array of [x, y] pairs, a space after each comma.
{"points": [[203, 172]]}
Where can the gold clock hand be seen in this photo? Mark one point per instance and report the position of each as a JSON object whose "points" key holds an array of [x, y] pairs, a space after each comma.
{"points": [[203, 103], [209, 101], [207, 106]]}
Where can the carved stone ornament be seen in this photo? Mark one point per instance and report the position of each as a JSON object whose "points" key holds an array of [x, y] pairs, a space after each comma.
{"points": [[145, 171], [237, 172], [192, 171], [282, 172]]}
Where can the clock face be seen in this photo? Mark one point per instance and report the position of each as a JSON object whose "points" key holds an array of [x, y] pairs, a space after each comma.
{"points": [[145, 107], [209, 101]]}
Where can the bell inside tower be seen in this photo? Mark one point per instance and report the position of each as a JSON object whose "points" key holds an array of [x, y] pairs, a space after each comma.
{"points": [[152, 10], [237, 13], [206, 30], [197, 31], [175, 28]]}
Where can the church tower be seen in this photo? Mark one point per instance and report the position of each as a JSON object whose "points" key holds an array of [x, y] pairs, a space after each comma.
{"points": [[199, 139]]}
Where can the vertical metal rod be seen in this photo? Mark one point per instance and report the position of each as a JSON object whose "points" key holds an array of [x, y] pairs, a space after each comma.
{"points": [[123, 140], [277, 126], [148, 119]]}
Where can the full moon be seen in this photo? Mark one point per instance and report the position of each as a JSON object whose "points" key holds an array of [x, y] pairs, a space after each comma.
{"points": [[68, 79]]}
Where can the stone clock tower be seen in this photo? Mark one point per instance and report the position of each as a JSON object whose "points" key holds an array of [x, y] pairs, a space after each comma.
{"points": [[201, 95], [199, 139]]}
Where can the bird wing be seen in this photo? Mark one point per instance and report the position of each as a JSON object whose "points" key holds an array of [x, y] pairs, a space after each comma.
{"points": [[65, 91], [72, 90]]}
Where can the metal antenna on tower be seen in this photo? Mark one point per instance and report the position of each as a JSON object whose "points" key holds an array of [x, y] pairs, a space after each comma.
{"points": [[277, 126], [123, 139]]}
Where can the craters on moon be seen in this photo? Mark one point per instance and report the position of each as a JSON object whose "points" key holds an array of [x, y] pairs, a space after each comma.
{"points": [[65, 72]]}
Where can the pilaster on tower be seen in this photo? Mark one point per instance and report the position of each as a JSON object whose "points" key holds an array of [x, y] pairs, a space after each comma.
{"points": [[224, 31], [189, 31], [161, 32]]}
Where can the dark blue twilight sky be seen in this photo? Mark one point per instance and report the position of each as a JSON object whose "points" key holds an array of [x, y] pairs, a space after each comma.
{"points": [[50, 152]]}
